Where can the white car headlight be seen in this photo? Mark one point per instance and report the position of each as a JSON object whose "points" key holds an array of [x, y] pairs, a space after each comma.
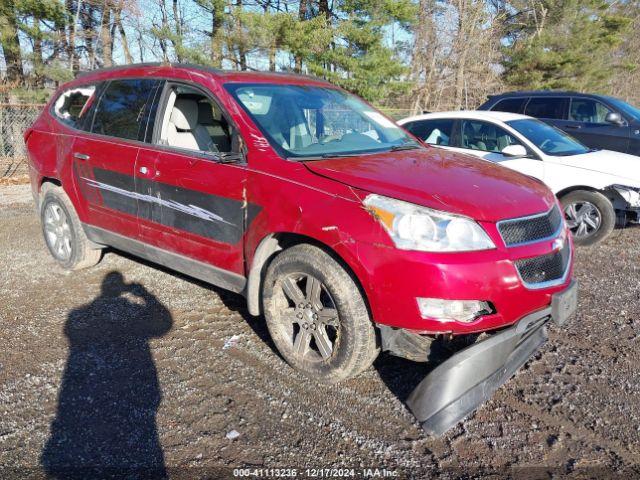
{"points": [[413, 227]]}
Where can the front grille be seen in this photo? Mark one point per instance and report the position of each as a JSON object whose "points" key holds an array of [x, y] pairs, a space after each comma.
{"points": [[531, 229], [540, 271]]}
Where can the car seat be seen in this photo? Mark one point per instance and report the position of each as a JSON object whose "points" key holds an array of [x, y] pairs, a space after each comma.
{"points": [[584, 113], [217, 128], [184, 131]]}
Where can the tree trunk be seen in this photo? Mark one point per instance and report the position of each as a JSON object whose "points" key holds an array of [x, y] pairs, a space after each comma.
{"points": [[37, 53], [105, 35], [303, 9], [177, 42], [89, 35], [242, 53], [272, 57], [123, 35], [74, 64], [217, 23], [10, 42], [424, 57], [165, 28], [60, 45], [323, 9]]}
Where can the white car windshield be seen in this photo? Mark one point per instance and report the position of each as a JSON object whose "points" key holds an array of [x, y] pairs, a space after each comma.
{"points": [[305, 122], [550, 140]]}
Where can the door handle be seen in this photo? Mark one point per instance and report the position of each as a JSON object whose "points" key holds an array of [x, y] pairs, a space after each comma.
{"points": [[81, 156], [144, 170], [574, 127]]}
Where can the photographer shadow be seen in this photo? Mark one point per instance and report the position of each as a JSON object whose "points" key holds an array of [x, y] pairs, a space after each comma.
{"points": [[106, 419]]}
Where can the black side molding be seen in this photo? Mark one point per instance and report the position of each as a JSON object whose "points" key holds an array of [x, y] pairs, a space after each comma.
{"points": [[188, 266]]}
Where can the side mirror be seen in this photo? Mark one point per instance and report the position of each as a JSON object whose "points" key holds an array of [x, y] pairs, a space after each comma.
{"points": [[514, 151], [614, 117]]}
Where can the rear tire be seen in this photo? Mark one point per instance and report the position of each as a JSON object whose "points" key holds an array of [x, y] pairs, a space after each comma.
{"points": [[590, 216], [317, 316], [62, 231]]}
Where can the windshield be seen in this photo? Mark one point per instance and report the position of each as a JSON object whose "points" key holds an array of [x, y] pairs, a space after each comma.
{"points": [[309, 121], [624, 108], [550, 140]]}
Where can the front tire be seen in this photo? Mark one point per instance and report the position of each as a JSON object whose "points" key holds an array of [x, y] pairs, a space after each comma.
{"points": [[590, 216], [62, 231], [317, 316]]}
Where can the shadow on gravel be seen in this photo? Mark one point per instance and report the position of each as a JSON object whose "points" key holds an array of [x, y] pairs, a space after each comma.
{"points": [[232, 301], [402, 376], [106, 419]]}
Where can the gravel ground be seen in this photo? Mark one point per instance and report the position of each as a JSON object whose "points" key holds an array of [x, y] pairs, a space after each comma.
{"points": [[87, 372]]}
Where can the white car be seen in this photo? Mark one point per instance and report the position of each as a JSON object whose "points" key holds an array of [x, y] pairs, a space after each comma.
{"points": [[597, 188]]}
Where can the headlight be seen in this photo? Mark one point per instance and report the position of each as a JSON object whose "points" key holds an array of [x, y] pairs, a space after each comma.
{"points": [[413, 227]]}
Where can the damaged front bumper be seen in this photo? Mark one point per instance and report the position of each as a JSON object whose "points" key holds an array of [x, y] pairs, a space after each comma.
{"points": [[626, 202], [467, 379]]}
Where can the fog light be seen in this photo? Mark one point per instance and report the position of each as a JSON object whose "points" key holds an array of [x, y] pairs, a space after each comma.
{"points": [[452, 310]]}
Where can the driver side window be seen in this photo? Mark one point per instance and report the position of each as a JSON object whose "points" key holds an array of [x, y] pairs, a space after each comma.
{"points": [[485, 137], [587, 111], [192, 121]]}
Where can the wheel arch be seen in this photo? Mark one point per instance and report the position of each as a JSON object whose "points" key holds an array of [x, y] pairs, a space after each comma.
{"points": [[609, 192], [575, 188], [268, 249], [44, 181]]}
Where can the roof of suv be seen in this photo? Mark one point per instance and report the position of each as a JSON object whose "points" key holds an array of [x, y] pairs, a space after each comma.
{"points": [[151, 69], [543, 93]]}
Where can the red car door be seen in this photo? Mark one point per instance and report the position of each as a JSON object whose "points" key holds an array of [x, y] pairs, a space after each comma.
{"points": [[104, 158], [196, 207]]}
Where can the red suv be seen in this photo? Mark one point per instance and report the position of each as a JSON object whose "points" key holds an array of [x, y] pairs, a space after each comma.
{"points": [[348, 234]]}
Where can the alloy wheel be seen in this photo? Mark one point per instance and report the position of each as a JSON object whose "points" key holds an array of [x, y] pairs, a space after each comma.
{"points": [[309, 317], [57, 231], [583, 218]]}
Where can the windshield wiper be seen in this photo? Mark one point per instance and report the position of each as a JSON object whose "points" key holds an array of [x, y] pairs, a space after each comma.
{"points": [[410, 146], [332, 155]]}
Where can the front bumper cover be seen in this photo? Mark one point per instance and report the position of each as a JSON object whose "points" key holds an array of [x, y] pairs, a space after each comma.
{"points": [[469, 378]]}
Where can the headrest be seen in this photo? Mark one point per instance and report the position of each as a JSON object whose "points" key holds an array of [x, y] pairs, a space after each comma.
{"points": [[185, 114], [205, 114]]}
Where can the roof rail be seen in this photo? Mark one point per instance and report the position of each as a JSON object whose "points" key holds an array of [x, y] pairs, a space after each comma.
{"points": [[191, 66]]}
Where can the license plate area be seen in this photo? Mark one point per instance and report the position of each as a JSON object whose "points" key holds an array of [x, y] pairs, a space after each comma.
{"points": [[564, 304]]}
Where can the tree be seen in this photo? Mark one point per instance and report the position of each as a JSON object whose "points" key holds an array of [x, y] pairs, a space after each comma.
{"points": [[10, 41], [357, 57], [563, 44], [456, 53]]}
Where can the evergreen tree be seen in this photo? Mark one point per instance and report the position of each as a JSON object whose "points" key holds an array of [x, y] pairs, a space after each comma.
{"points": [[563, 44]]}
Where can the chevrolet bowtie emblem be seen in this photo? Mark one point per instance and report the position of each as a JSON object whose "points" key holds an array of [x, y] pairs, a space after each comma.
{"points": [[557, 244]]}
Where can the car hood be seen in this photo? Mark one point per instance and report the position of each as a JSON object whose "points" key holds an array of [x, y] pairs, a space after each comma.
{"points": [[442, 180], [605, 161]]}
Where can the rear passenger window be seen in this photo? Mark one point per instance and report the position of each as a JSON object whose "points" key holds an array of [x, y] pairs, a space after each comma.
{"points": [[121, 109], [547, 107], [434, 132], [511, 105], [72, 105]]}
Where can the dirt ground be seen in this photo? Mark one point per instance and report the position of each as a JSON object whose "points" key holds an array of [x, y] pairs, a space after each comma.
{"points": [[86, 368]]}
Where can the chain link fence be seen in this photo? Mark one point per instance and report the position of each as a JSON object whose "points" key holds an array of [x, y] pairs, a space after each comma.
{"points": [[14, 121], [16, 118]]}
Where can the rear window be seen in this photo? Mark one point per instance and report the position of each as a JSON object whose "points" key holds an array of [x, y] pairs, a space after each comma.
{"points": [[434, 132], [547, 107], [511, 105], [121, 109], [72, 105]]}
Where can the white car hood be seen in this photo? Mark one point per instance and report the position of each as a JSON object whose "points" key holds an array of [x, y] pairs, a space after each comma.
{"points": [[626, 168]]}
